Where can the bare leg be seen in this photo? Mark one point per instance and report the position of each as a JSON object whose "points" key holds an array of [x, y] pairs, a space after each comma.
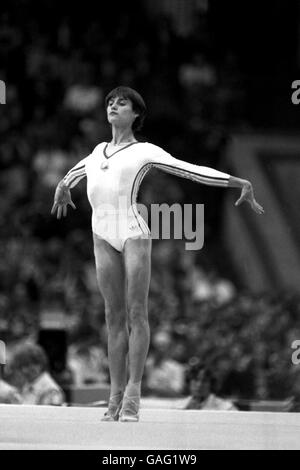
{"points": [[111, 282], [137, 256]]}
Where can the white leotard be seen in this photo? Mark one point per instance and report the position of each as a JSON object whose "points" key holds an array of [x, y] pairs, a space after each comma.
{"points": [[113, 182]]}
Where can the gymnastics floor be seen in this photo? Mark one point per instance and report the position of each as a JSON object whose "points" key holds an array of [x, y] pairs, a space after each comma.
{"points": [[59, 428]]}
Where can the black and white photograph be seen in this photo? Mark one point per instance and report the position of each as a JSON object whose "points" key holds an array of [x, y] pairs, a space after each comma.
{"points": [[149, 227]]}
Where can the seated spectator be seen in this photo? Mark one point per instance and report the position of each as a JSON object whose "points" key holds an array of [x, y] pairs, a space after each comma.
{"points": [[29, 365], [202, 387], [164, 375], [9, 394], [88, 364]]}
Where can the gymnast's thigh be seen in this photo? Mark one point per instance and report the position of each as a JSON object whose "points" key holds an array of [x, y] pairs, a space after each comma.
{"points": [[110, 273], [137, 257]]}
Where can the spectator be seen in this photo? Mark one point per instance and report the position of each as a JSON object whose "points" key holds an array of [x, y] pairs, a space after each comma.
{"points": [[164, 375], [9, 394], [202, 387], [88, 363], [29, 369]]}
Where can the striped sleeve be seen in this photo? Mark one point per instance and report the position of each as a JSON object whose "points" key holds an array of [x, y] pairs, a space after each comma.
{"points": [[201, 174], [75, 174]]}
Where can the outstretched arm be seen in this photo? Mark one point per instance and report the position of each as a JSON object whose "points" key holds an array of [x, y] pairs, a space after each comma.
{"points": [[247, 193], [204, 175], [62, 195], [201, 174]]}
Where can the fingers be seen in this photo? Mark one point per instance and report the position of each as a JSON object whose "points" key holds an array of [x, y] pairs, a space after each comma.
{"points": [[62, 209], [238, 202], [258, 209], [254, 205], [54, 207], [243, 197]]}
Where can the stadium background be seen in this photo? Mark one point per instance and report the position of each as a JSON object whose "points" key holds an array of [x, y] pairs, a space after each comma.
{"points": [[216, 77]]}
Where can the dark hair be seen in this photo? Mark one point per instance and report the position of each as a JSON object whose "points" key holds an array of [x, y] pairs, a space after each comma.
{"points": [[28, 354], [138, 104], [193, 371]]}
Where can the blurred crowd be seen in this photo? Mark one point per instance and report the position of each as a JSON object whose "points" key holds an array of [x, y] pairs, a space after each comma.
{"points": [[58, 70], [245, 339]]}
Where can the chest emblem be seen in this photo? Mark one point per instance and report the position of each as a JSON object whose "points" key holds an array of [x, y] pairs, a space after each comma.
{"points": [[104, 165]]}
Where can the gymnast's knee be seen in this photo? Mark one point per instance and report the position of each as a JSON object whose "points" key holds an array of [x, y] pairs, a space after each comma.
{"points": [[138, 314], [116, 319]]}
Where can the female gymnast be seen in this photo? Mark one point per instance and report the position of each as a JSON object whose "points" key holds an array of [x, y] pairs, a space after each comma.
{"points": [[122, 240]]}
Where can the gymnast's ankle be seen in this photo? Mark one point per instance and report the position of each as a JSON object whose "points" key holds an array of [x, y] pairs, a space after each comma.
{"points": [[133, 389]]}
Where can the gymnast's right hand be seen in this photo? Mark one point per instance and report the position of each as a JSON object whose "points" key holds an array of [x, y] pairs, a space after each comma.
{"points": [[62, 198]]}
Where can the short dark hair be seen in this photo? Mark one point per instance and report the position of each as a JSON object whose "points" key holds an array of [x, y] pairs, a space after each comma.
{"points": [[194, 369], [138, 104], [27, 354]]}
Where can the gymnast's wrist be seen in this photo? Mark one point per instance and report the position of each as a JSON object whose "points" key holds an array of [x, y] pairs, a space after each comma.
{"points": [[62, 185], [235, 182]]}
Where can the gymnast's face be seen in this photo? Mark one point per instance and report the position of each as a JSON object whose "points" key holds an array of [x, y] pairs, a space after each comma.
{"points": [[120, 112]]}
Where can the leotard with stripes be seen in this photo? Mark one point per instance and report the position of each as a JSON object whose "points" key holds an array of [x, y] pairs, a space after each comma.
{"points": [[113, 182]]}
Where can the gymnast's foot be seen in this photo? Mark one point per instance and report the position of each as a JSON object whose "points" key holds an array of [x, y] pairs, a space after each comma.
{"points": [[130, 409], [114, 407]]}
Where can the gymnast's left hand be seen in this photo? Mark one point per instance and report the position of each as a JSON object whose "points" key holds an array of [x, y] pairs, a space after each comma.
{"points": [[247, 194]]}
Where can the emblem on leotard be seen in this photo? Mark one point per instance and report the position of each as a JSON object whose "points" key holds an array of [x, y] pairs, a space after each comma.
{"points": [[104, 165]]}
